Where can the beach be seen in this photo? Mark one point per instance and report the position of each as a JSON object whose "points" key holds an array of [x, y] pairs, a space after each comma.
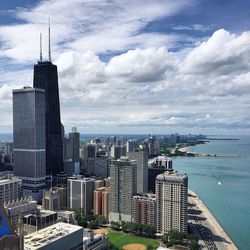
{"points": [[209, 230]]}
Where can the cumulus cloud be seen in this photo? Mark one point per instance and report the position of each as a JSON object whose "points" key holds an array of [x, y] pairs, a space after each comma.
{"points": [[222, 53], [138, 65], [115, 77]]}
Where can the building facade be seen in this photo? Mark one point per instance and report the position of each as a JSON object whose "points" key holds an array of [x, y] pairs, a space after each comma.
{"points": [[19, 208], [144, 209], [11, 189], [141, 158], [55, 199], [80, 194], [115, 152], [171, 202], [122, 188], [36, 221], [74, 145], [158, 166], [29, 139], [61, 236], [46, 78], [101, 202]]}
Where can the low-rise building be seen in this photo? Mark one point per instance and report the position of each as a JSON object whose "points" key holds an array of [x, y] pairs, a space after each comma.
{"points": [[36, 221], [93, 241], [61, 236], [19, 208]]}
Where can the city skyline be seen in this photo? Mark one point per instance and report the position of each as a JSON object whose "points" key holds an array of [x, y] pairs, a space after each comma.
{"points": [[169, 66]]}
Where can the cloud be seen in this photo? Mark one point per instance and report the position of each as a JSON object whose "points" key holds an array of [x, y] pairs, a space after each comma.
{"points": [[116, 78], [98, 25], [222, 53], [139, 65]]}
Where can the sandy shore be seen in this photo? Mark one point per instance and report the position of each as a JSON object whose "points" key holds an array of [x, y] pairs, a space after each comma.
{"points": [[212, 223], [183, 149]]}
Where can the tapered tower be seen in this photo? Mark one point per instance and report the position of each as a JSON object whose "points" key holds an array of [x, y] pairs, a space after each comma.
{"points": [[46, 77]]}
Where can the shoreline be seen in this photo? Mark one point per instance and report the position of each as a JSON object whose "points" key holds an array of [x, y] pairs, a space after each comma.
{"points": [[185, 150], [218, 232]]}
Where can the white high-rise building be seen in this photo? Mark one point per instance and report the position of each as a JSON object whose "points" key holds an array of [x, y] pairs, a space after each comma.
{"points": [[171, 202]]}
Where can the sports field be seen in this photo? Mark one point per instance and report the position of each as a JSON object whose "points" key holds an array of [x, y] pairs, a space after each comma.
{"points": [[120, 239]]}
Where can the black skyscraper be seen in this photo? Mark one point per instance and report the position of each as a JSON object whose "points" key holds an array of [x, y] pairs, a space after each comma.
{"points": [[46, 77]]}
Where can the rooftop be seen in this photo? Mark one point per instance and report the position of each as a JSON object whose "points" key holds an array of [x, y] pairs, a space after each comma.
{"points": [[171, 175], [49, 234], [7, 181]]}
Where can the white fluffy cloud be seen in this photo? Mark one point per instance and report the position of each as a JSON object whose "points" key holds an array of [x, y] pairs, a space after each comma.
{"points": [[222, 53], [114, 77]]}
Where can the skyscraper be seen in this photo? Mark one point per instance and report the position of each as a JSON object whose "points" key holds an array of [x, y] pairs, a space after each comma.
{"points": [[74, 142], [171, 202], [122, 188], [29, 139], [46, 77], [141, 158]]}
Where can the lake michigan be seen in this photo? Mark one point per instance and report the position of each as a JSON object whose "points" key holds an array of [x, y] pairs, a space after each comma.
{"points": [[223, 183]]}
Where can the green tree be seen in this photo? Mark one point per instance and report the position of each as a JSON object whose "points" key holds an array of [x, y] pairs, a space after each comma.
{"points": [[115, 225], [93, 224], [101, 220]]}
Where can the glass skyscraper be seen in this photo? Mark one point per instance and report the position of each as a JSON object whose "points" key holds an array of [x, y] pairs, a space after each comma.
{"points": [[46, 77]]}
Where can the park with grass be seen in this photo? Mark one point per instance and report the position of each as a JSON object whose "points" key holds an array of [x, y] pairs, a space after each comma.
{"points": [[118, 240]]}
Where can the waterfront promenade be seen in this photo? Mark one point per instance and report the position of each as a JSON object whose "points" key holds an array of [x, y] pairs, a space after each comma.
{"points": [[211, 234]]}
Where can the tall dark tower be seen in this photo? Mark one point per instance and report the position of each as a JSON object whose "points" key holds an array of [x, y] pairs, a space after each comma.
{"points": [[46, 77]]}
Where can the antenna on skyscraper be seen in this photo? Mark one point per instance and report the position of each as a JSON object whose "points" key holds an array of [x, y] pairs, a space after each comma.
{"points": [[49, 42], [41, 52]]}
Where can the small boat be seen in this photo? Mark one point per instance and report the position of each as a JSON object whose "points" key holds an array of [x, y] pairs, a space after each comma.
{"points": [[219, 183]]}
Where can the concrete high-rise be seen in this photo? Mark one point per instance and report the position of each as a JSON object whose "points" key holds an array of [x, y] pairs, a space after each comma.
{"points": [[171, 202], [80, 193], [141, 158], [29, 154], [46, 78], [122, 188]]}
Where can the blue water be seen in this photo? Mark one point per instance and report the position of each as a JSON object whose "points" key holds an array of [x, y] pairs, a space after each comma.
{"points": [[229, 202]]}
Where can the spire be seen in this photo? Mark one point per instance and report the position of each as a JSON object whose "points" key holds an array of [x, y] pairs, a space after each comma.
{"points": [[41, 52], [49, 41]]}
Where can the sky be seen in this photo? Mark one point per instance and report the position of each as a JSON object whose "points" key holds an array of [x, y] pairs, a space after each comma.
{"points": [[141, 66]]}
